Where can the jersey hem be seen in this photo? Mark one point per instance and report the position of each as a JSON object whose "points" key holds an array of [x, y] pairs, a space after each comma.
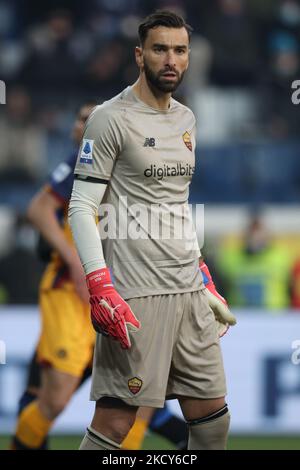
{"points": [[133, 294]]}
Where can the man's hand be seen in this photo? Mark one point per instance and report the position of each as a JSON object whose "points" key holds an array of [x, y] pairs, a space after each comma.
{"points": [[110, 314], [217, 303]]}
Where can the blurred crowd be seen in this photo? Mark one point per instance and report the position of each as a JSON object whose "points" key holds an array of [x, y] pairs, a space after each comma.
{"points": [[61, 51], [55, 55], [257, 269]]}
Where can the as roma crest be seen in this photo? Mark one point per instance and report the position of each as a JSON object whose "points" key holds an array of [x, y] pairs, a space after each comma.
{"points": [[135, 385], [187, 140]]}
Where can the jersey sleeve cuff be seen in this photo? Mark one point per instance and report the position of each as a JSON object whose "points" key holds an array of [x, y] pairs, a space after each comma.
{"points": [[91, 179]]}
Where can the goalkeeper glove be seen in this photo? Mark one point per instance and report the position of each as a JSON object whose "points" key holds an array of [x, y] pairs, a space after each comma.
{"points": [[110, 314], [217, 303]]}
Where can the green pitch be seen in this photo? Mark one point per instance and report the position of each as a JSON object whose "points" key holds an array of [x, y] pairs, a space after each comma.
{"points": [[155, 443]]}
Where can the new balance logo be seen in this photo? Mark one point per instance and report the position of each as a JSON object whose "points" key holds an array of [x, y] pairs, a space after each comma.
{"points": [[149, 142]]}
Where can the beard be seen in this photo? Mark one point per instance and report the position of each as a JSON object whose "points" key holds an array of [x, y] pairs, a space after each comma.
{"points": [[161, 83]]}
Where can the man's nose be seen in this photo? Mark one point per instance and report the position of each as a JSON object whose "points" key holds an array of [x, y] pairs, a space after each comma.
{"points": [[170, 59]]}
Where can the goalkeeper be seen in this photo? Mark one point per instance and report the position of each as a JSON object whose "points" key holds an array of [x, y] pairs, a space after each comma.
{"points": [[157, 336]]}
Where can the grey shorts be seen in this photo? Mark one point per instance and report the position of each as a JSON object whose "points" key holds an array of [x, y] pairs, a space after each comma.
{"points": [[175, 353]]}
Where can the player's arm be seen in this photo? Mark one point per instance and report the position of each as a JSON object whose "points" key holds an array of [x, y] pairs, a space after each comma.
{"points": [[42, 213], [101, 145], [216, 302], [110, 314]]}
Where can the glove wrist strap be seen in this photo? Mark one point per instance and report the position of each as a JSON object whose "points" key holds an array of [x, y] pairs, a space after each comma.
{"points": [[209, 283], [207, 279], [98, 279]]}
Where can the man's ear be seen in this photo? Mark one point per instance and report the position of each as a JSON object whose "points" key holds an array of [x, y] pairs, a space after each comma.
{"points": [[139, 56]]}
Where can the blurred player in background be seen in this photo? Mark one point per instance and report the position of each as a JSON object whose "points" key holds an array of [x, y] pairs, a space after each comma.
{"points": [[63, 358], [138, 149], [63, 353]]}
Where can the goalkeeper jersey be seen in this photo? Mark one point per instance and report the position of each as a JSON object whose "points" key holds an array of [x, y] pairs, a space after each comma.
{"points": [[147, 158]]}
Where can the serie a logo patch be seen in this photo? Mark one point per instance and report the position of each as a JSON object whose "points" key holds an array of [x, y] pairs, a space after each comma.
{"points": [[135, 384], [86, 154]]}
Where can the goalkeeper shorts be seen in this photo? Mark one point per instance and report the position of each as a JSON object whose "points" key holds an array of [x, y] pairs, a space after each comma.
{"points": [[175, 353], [67, 335]]}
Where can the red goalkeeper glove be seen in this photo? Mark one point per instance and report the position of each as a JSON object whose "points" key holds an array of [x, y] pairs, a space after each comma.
{"points": [[217, 303], [110, 314]]}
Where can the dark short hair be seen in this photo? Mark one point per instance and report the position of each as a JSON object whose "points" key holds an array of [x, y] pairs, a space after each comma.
{"points": [[165, 18]]}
